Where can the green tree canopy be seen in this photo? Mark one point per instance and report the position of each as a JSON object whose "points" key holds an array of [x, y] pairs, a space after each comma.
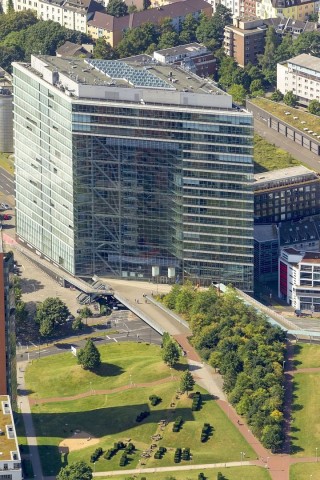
{"points": [[137, 40], [85, 312], [187, 382], [290, 99], [75, 471], [238, 93], [117, 8], [308, 42], [16, 21], [170, 353], [314, 107], [50, 314], [77, 324], [168, 40], [277, 96], [89, 356], [103, 49]]}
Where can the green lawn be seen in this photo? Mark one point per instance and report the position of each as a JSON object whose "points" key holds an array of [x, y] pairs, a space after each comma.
{"points": [[305, 471], [312, 122], [306, 356], [112, 418], [233, 473], [306, 414], [270, 157], [64, 377], [6, 162]]}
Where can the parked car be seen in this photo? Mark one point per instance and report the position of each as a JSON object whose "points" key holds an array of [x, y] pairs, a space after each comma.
{"points": [[5, 206], [6, 217]]}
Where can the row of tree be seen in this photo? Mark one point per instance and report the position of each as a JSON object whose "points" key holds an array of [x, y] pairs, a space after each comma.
{"points": [[246, 349]]}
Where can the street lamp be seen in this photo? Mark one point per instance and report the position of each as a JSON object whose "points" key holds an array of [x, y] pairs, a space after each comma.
{"points": [[267, 462], [316, 454], [130, 380], [283, 364]]}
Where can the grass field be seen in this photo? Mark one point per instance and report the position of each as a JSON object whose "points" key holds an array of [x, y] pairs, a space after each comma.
{"points": [[306, 414], [243, 473], [304, 471], [312, 122], [306, 356], [112, 418], [270, 157], [122, 364], [6, 162]]}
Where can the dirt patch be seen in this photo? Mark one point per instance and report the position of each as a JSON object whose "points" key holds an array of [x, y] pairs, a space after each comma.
{"points": [[79, 440]]}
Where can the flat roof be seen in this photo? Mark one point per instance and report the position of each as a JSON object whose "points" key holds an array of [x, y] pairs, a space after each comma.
{"points": [[283, 173], [131, 73], [7, 444], [265, 233], [306, 61], [180, 49]]}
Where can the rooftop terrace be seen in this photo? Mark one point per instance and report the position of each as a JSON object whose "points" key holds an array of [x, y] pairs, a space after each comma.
{"points": [[8, 440]]}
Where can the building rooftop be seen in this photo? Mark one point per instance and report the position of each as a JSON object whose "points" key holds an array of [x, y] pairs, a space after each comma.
{"points": [[69, 49], [187, 49], [265, 233], [289, 25], [8, 440], [283, 173], [306, 61], [301, 231]]}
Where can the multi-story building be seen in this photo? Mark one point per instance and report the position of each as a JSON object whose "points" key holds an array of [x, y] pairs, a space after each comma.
{"points": [[266, 252], [8, 375], [6, 112], [236, 6], [301, 75], [113, 28], [244, 40], [193, 57], [286, 194], [295, 9], [299, 279], [10, 461], [132, 170]]}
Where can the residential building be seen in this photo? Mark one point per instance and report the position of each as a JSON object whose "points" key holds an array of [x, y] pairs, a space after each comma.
{"points": [[10, 461], [244, 40], [132, 171], [8, 375], [288, 26], [113, 28], [6, 112], [236, 6], [299, 279], [301, 75], [286, 194], [193, 57], [295, 9], [69, 49]]}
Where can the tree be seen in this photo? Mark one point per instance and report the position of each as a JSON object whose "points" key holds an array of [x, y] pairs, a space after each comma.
{"points": [[146, 4], [277, 96], [137, 40], [16, 22], [187, 382], [103, 49], [170, 353], [308, 42], [89, 356], [168, 40], [290, 99], [75, 471], [227, 72], [238, 93], [51, 314], [77, 324], [255, 85], [117, 8], [85, 312], [212, 28], [188, 29], [21, 313], [10, 6], [314, 107], [132, 9]]}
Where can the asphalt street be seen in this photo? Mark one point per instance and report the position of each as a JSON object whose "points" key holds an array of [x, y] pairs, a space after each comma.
{"points": [[300, 153], [6, 182]]}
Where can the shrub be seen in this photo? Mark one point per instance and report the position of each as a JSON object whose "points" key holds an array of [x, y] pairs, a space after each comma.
{"points": [[196, 402], [177, 424], [96, 455], [129, 448], [123, 460], [155, 400], [186, 454], [142, 416], [160, 452], [201, 476], [110, 453], [177, 456], [206, 430]]}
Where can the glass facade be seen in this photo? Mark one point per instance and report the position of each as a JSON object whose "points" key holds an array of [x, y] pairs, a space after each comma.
{"points": [[115, 189]]}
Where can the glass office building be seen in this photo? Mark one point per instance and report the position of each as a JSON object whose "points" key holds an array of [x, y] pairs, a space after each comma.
{"points": [[131, 171]]}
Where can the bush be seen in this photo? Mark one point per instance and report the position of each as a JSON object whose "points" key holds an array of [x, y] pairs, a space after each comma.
{"points": [[206, 430], [155, 400], [129, 448], [177, 424], [110, 453], [96, 455], [160, 452], [201, 476], [186, 454], [177, 456], [123, 460], [142, 416], [196, 402]]}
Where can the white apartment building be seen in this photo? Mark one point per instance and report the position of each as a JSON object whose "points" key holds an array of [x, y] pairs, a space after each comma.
{"points": [[69, 13], [236, 6], [10, 461], [299, 279], [301, 75]]}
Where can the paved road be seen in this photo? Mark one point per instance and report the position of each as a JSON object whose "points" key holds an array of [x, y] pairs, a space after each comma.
{"points": [[6, 182], [300, 153]]}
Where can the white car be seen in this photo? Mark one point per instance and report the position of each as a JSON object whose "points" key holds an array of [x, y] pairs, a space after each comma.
{"points": [[5, 206]]}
